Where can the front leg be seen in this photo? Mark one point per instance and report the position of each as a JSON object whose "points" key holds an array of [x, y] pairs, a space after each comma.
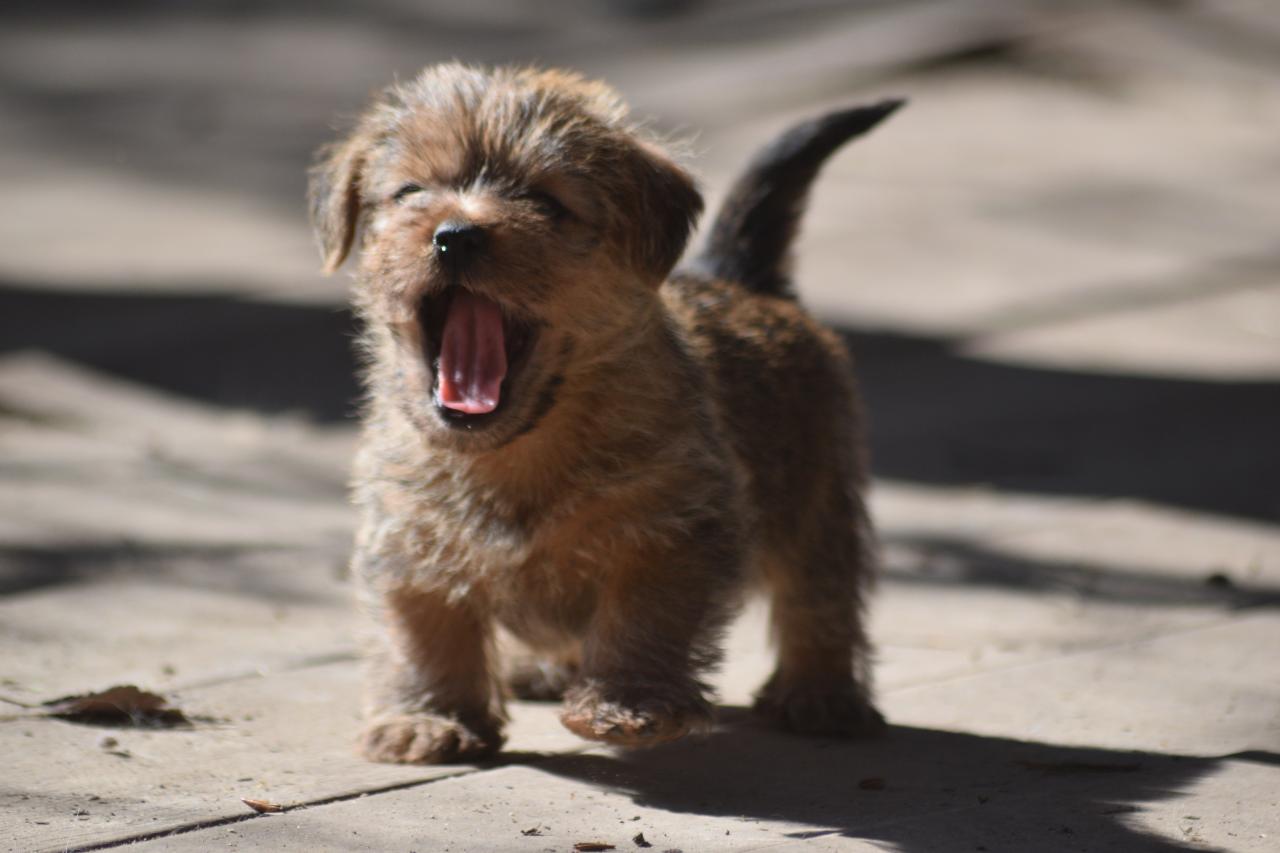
{"points": [[654, 634], [430, 695]]}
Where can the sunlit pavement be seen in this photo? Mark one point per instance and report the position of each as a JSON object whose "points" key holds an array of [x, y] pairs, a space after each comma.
{"points": [[1057, 270]]}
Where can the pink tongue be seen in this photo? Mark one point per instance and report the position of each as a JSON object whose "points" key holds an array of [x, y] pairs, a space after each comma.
{"points": [[473, 355]]}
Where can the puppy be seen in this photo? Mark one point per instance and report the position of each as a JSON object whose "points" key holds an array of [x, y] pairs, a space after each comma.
{"points": [[563, 442]]}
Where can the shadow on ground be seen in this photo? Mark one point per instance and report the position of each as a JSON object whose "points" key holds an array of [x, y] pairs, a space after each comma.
{"points": [[262, 573], [940, 417], [937, 416], [954, 561], [919, 789], [268, 357]]}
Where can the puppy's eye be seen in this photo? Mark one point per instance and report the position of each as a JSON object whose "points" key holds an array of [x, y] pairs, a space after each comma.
{"points": [[405, 191], [547, 204]]}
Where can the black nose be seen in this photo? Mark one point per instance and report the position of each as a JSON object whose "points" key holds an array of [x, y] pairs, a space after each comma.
{"points": [[456, 241]]}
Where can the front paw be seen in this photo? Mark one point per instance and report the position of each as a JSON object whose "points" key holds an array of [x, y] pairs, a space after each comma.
{"points": [[633, 719], [428, 739], [842, 710]]}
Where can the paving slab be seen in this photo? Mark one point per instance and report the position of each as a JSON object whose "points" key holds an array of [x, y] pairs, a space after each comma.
{"points": [[1044, 590], [286, 737], [1009, 673], [1211, 689], [101, 460], [1057, 269], [920, 789], [170, 621], [1110, 749], [1107, 549]]}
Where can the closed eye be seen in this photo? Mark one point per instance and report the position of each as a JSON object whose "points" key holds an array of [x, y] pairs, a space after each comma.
{"points": [[405, 191], [547, 204]]}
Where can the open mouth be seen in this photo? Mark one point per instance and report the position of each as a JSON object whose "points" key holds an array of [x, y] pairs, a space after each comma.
{"points": [[476, 352]]}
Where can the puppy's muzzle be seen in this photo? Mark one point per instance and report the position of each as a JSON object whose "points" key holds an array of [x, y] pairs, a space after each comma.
{"points": [[457, 243]]}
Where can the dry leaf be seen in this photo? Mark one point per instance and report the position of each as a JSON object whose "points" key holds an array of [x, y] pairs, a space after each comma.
{"points": [[122, 704], [592, 846], [262, 806]]}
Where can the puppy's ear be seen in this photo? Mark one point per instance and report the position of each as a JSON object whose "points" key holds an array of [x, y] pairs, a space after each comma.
{"points": [[334, 196], [669, 206]]}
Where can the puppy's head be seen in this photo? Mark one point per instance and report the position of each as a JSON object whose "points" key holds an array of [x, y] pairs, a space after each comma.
{"points": [[513, 224]]}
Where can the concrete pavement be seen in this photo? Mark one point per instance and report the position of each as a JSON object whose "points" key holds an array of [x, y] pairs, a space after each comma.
{"points": [[1057, 270]]}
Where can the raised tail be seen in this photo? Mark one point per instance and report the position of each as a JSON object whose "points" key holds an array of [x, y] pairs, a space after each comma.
{"points": [[750, 240]]}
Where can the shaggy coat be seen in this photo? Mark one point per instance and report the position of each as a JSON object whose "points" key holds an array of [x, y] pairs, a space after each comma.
{"points": [[566, 443]]}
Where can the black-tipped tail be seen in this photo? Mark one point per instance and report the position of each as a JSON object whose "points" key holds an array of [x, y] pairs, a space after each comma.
{"points": [[750, 241]]}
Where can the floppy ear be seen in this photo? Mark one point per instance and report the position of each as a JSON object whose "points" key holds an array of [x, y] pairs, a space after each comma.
{"points": [[334, 196], [669, 207]]}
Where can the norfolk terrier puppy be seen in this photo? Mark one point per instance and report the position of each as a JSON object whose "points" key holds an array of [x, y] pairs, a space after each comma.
{"points": [[566, 442]]}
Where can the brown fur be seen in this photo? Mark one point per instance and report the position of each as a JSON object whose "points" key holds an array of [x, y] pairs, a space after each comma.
{"points": [[663, 442]]}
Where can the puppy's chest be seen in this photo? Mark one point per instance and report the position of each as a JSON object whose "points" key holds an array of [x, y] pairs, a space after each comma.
{"points": [[515, 548], [539, 576], [550, 596]]}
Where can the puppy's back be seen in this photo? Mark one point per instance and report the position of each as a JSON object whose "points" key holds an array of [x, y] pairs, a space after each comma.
{"points": [[784, 383]]}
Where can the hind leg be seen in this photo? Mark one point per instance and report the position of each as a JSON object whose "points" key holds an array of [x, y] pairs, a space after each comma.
{"points": [[817, 575], [540, 676]]}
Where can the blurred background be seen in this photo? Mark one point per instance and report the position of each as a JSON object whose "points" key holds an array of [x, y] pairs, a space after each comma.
{"points": [[1058, 268]]}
